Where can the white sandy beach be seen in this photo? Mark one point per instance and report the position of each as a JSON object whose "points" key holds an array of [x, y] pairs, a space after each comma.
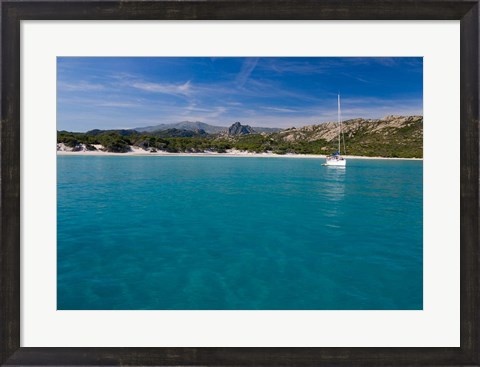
{"points": [[230, 153]]}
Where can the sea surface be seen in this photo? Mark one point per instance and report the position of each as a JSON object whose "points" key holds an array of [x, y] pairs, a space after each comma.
{"points": [[231, 233]]}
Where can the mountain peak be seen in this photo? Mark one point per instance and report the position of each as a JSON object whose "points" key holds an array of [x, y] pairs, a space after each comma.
{"points": [[238, 129]]}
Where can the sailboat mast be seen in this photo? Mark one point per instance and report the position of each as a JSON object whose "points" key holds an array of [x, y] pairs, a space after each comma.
{"points": [[339, 122]]}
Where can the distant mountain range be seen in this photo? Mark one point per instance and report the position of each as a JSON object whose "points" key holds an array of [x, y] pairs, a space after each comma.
{"points": [[198, 125]]}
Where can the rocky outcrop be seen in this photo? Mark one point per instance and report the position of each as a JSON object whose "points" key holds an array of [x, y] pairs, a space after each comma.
{"points": [[238, 129]]}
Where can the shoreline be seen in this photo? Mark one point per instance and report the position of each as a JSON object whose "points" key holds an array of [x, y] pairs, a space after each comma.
{"points": [[238, 154]]}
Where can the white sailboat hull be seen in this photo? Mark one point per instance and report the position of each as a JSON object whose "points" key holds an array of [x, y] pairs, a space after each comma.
{"points": [[336, 162]]}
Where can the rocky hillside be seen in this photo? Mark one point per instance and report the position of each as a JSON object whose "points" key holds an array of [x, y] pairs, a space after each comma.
{"points": [[400, 136], [238, 129]]}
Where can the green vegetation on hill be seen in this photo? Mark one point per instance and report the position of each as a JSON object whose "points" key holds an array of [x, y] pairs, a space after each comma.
{"points": [[114, 142], [390, 137], [393, 136]]}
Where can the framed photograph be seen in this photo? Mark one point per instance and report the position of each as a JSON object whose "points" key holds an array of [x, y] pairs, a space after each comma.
{"points": [[239, 183]]}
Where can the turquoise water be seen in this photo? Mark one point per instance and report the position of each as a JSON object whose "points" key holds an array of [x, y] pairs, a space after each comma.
{"points": [[197, 233]]}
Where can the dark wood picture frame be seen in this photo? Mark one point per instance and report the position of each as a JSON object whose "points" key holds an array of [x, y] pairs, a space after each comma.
{"points": [[13, 12]]}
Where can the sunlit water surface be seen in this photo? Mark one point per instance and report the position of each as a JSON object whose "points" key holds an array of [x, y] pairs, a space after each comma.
{"points": [[196, 233]]}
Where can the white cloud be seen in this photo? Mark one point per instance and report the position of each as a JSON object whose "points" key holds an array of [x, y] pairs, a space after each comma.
{"points": [[280, 109], [184, 89]]}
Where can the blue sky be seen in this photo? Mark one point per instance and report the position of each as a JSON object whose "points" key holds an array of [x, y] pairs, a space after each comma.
{"points": [[127, 92]]}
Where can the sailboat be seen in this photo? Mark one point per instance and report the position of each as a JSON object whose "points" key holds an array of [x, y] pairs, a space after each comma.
{"points": [[336, 158]]}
